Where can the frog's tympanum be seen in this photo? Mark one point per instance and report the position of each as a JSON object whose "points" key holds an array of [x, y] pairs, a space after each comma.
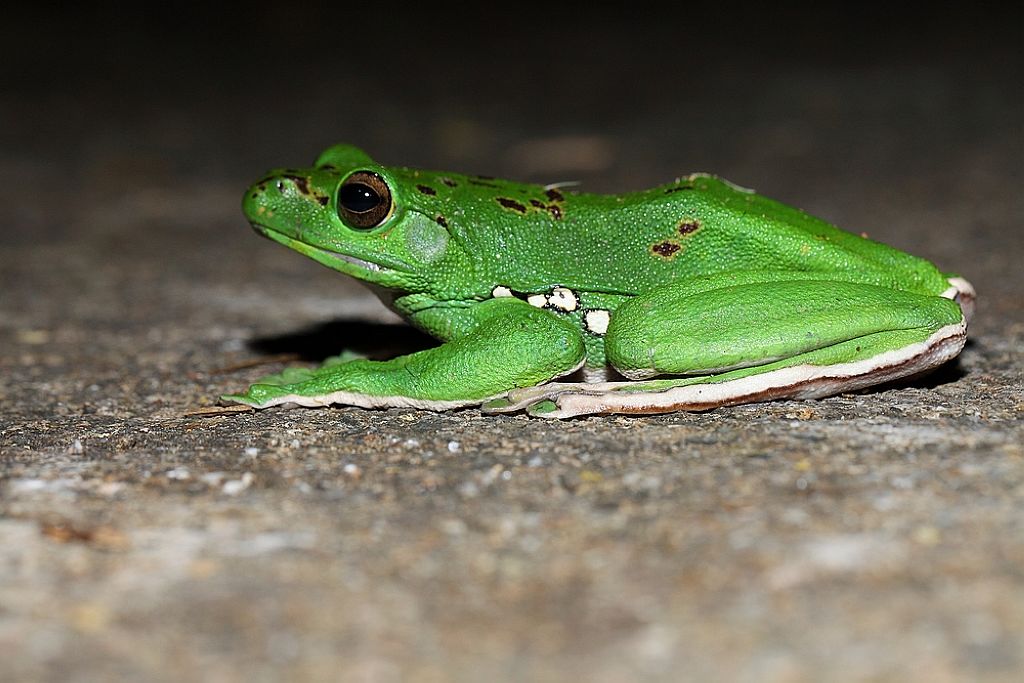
{"points": [[693, 295]]}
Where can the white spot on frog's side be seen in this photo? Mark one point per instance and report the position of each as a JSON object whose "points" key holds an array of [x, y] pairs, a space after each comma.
{"points": [[563, 299], [501, 291], [597, 321], [538, 300]]}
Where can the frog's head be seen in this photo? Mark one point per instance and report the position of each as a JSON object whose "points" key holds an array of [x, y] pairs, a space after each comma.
{"points": [[353, 215]]}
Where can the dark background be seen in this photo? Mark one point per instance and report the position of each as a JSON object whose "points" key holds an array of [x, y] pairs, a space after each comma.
{"points": [[217, 91]]}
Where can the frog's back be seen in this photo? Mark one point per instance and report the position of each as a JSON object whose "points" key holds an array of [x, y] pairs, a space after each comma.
{"points": [[703, 225], [532, 237], [746, 231]]}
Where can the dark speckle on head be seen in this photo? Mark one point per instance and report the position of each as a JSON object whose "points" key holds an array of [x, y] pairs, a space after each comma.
{"points": [[328, 167], [301, 182], [426, 189], [678, 188], [481, 183], [688, 226], [511, 204], [441, 221], [485, 177], [665, 249], [322, 199], [554, 195]]}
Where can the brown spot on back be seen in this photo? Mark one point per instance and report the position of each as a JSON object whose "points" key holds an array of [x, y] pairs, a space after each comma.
{"points": [[441, 221], [511, 204], [554, 195], [426, 189], [553, 209], [449, 182], [666, 249], [678, 188], [322, 199], [688, 226], [481, 183]]}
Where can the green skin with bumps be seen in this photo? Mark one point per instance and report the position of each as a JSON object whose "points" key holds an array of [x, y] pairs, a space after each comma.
{"points": [[698, 281]]}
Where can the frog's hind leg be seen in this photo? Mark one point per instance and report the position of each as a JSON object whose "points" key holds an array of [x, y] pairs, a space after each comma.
{"points": [[758, 342], [801, 377]]}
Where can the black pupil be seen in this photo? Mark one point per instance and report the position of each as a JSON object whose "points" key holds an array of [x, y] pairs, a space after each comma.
{"points": [[358, 198]]}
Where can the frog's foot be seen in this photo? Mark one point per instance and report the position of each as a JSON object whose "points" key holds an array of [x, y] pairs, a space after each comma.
{"points": [[333, 383], [306, 395], [804, 376], [290, 386], [327, 385]]}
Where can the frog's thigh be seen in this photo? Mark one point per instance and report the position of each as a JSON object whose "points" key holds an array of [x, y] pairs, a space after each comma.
{"points": [[675, 330], [514, 345]]}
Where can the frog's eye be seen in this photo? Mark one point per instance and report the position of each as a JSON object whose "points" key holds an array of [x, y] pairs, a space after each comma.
{"points": [[364, 200]]}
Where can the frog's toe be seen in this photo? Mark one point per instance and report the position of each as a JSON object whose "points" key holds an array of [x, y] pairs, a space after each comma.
{"points": [[258, 395], [533, 405], [287, 376], [519, 399], [498, 405], [543, 408]]}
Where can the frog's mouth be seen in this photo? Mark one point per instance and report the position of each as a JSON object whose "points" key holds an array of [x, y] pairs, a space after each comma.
{"points": [[333, 259], [367, 265]]}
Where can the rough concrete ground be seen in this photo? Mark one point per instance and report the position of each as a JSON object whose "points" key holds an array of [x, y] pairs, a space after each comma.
{"points": [[874, 537]]}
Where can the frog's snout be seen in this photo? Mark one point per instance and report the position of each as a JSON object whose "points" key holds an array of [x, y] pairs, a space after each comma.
{"points": [[288, 190], [267, 201], [256, 200]]}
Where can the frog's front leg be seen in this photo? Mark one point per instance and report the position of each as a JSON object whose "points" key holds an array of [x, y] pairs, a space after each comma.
{"points": [[756, 342], [511, 344]]}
